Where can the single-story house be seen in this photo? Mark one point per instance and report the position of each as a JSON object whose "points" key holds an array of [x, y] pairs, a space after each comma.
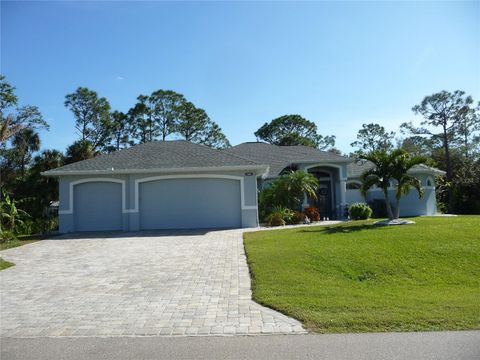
{"points": [[182, 185], [339, 178]]}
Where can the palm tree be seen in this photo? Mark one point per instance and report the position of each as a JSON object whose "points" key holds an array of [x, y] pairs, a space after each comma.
{"points": [[390, 166], [288, 191], [79, 150], [294, 185], [26, 142], [405, 181]]}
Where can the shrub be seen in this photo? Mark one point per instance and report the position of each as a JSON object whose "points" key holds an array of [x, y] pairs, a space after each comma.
{"points": [[7, 236], [297, 218], [275, 220], [379, 208], [312, 213], [280, 216], [359, 211]]}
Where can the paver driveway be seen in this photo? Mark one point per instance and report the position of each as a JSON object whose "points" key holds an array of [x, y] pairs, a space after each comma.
{"points": [[139, 285]]}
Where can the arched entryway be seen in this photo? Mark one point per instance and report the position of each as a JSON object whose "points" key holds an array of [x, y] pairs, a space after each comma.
{"points": [[325, 201]]}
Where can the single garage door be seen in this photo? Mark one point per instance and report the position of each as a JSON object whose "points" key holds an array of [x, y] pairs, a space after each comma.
{"points": [[97, 206], [190, 203]]}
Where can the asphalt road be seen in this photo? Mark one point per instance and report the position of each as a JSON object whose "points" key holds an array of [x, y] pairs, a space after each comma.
{"points": [[425, 346]]}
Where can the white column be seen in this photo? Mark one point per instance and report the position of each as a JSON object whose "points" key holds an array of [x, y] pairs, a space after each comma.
{"points": [[343, 193], [305, 201]]}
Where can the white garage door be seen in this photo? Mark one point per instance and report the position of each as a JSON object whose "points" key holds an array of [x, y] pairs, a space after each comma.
{"points": [[97, 206], [190, 203]]}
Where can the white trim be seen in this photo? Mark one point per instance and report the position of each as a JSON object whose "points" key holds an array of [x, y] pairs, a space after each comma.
{"points": [[358, 182], [196, 176], [339, 167], [256, 168], [153, 178], [73, 183]]}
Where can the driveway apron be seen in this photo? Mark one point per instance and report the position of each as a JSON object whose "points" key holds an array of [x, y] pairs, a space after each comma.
{"points": [[141, 284]]}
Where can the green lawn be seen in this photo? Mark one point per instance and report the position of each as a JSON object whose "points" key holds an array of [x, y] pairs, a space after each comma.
{"points": [[11, 244], [356, 277], [14, 243], [5, 264]]}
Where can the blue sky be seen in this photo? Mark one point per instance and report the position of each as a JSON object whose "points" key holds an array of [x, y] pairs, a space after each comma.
{"points": [[339, 64]]}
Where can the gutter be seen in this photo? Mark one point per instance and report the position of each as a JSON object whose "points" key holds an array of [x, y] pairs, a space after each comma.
{"points": [[258, 169]]}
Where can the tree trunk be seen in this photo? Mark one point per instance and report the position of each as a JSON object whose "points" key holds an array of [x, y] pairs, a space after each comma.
{"points": [[397, 209], [22, 166], [446, 147], [387, 204]]}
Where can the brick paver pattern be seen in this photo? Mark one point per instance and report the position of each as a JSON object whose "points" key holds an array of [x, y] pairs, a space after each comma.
{"points": [[145, 285]]}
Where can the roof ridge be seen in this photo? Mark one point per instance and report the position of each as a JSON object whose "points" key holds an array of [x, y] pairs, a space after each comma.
{"points": [[224, 151]]}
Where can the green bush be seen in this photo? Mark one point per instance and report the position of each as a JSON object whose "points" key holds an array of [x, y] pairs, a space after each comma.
{"points": [[359, 211], [280, 216]]}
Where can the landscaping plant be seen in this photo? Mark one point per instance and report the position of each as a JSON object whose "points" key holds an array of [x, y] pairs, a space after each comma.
{"points": [[280, 216], [392, 166], [359, 211], [12, 218], [286, 193], [312, 213]]}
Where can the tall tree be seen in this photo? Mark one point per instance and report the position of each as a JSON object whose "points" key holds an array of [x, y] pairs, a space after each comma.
{"points": [[8, 168], [14, 118], [294, 130], [120, 130], [142, 126], [194, 125], [214, 137], [442, 113], [372, 137], [417, 145], [25, 143], [192, 122], [92, 116], [165, 106], [469, 131]]}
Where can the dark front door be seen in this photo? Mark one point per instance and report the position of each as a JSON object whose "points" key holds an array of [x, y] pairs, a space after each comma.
{"points": [[324, 199]]}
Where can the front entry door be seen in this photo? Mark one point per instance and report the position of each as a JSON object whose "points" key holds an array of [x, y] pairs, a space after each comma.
{"points": [[324, 199]]}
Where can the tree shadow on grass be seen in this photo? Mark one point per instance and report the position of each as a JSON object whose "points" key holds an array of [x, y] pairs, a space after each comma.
{"points": [[342, 229]]}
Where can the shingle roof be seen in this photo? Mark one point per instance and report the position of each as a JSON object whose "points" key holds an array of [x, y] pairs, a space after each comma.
{"points": [[280, 157], [355, 169], [158, 156]]}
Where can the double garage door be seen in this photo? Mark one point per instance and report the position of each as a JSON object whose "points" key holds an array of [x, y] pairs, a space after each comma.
{"points": [[182, 203]]}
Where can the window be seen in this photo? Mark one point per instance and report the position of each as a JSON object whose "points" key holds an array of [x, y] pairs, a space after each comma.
{"points": [[353, 186], [429, 182]]}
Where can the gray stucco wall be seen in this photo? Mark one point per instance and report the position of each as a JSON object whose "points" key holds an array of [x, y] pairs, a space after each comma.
{"points": [[130, 212], [410, 204]]}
